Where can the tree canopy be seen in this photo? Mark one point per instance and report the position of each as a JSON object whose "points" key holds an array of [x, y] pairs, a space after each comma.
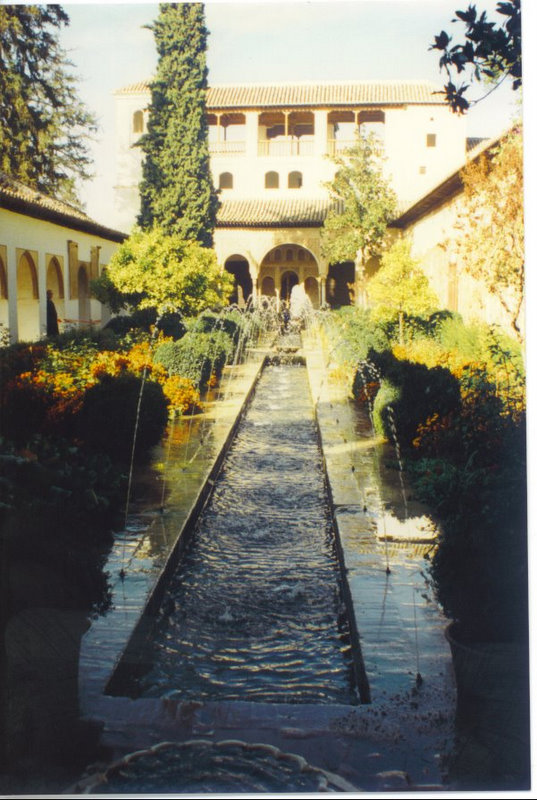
{"points": [[43, 124], [368, 204], [400, 288], [152, 269], [491, 51], [490, 246], [177, 192]]}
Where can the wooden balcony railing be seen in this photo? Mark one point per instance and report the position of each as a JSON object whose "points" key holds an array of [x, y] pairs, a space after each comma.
{"points": [[227, 148], [336, 146], [286, 147]]}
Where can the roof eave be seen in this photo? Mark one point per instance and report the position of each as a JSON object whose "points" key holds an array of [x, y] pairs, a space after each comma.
{"points": [[28, 209], [276, 224]]}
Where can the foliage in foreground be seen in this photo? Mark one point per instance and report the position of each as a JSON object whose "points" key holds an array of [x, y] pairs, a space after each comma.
{"points": [[491, 51]]}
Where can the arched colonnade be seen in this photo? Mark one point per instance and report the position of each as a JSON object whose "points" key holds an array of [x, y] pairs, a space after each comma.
{"points": [[275, 275], [23, 298], [285, 266]]}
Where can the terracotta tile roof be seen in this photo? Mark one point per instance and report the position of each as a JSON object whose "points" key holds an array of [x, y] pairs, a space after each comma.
{"points": [[142, 87], [274, 213], [16, 196], [314, 94], [474, 141]]}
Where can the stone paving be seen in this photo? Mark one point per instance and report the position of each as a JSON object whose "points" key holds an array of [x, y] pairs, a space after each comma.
{"points": [[397, 742]]}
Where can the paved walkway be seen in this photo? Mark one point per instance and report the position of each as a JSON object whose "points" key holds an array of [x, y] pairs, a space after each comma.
{"points": [[398, 741]]}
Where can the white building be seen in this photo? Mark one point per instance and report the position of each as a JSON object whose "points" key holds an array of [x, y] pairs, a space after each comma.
{"points": [[430, 223], [270, 149], [46, 244]]}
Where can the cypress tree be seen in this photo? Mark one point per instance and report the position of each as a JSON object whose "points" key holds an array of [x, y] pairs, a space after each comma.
{"points": [[176, 190], [43, 124]]}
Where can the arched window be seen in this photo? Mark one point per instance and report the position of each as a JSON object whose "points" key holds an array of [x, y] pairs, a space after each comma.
{"points": [[294, 181], [138, 122], [272, 180], [225, 181], [55, 278]]}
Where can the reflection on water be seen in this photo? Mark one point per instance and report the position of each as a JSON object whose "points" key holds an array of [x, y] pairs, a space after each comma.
{"points": [[254, 610]]}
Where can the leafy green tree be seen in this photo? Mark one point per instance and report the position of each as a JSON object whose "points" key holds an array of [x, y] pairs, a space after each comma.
{"points": [[490, 245], [43, 125], [176, 191], [491, 51], [400, 288], [368, 202], [154, 270]]}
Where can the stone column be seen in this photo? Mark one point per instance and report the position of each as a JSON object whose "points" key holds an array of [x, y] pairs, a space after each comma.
{"points": [[321, 132], [323, 274], [72, 261], [41, 269], [360, 294], [251, 134], [253, 269], [11, 277]]}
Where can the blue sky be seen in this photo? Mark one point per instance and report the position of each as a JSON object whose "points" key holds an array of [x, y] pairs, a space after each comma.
{"points": [[263, 42]]}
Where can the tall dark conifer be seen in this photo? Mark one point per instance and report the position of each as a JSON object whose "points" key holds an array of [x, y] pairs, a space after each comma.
{"points": [[43, 124], [176, 190]]}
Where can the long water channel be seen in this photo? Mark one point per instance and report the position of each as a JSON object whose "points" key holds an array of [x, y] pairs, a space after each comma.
{"points": [[254, 610]]}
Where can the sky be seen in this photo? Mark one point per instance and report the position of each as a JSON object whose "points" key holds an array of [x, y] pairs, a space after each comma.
{"points": [[262, 42]]}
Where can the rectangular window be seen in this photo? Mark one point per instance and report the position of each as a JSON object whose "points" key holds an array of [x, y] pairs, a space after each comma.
{"points": [[431, 140]]}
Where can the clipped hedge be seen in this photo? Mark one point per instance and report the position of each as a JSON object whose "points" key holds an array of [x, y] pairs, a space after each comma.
{"points": [[24, 408], [196, 356], [107, 419], [208, 322], [170, 324], [414, 393]]}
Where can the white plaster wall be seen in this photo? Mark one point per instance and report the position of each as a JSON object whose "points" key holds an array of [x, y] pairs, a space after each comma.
{"points": [[128, 160], [405, 144], [45, 239], [407, 153], [433, 238]]}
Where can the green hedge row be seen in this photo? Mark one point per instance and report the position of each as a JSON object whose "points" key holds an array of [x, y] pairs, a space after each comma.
{"points": [[196, 356]]}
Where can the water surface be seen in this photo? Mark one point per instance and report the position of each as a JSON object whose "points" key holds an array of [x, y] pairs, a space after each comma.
{"points": [[254, 611]]}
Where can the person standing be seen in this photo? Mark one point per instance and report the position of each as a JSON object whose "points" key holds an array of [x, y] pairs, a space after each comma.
{"points": [[52, 316]]}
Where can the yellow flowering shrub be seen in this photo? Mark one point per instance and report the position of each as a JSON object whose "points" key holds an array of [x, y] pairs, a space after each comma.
{"points": [[184, 397]]}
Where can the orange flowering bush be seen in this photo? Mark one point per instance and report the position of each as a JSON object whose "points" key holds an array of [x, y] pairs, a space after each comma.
{"points": [[184, 397], [45, 384]]}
